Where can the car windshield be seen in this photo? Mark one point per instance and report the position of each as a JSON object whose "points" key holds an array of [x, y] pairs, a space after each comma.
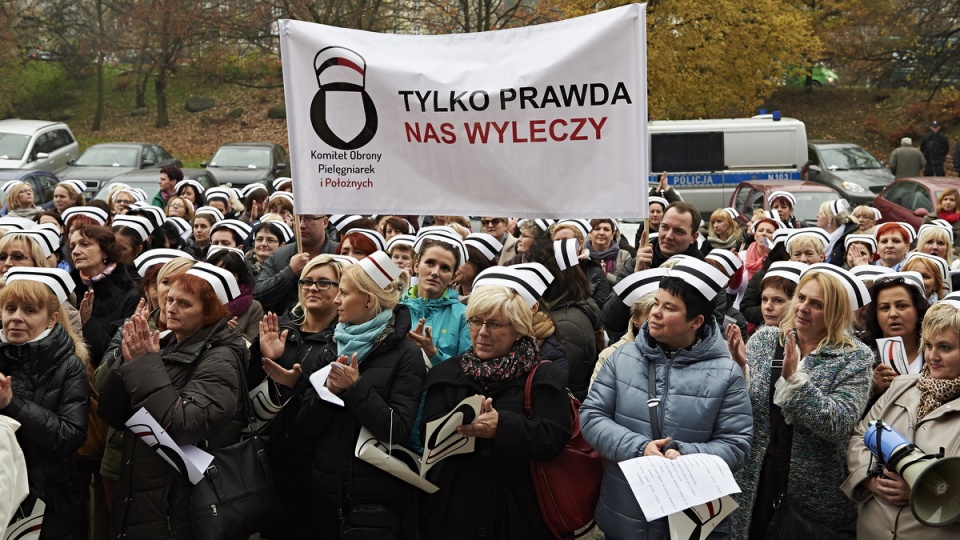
{"points": [[848, 158], [246, 158], [109, 156], [12, 145], [808, 204]]}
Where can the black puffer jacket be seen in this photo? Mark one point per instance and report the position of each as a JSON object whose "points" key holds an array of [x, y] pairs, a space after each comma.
{"points": [[599, 286], [114, 300], [193, 391], [577, 323], [390, 385], [50, 399]]}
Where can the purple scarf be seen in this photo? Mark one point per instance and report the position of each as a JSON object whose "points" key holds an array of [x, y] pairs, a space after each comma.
{"points": [[239, 305]]}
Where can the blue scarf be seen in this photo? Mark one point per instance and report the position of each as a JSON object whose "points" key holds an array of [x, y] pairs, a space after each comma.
{"points": [[358, 338]]}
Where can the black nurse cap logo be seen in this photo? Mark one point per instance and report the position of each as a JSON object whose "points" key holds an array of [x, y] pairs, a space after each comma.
{"points": [[341, 70]]}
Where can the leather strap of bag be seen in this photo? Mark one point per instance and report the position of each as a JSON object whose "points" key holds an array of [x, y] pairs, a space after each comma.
{"points": [[653, 402], [779, 425], [527, 390]]}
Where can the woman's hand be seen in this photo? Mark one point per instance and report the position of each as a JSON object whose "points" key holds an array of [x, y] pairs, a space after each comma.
{"points": [[655, 448], [883, 375], [6, 390], [138, 339], [281, 375], [662, 186], [893, 489], [343, 375], [86, 307], [423, 336], [737, 348], [272, 341], [233, 323], [143, 308], [485, 425], [791, 357]]}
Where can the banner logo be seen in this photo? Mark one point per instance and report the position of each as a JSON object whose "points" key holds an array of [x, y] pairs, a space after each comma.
{"points": [[341, 77]]}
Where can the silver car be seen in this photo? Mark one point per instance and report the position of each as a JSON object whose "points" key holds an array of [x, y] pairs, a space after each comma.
{"points": [[36, 144]]}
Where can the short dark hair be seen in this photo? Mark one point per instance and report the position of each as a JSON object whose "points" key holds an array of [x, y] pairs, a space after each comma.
{"points": [[104, 238], [872, 330], [685, 207], [692, 298], [232, 262], [271, 229], [173, 172]]}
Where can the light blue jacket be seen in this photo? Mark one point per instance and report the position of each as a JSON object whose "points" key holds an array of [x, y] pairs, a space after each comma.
{"points": [[704, 406], [447, 318]]}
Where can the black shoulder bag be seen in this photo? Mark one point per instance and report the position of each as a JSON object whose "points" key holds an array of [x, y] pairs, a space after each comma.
{"points": [[237, 496]]}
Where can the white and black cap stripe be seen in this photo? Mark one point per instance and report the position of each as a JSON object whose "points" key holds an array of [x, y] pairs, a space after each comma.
{"points": [[936, 226], [286, 233], [222, 280], [540, 271], [380, 268], [486, 244], [214, 248], [867, 239], [138, 194], [281, 180], [544, 224], [77, 186], [339, 221], [97, 214], [639, 284], [780, 235], [731, 212], [786, 269], [730, 261], [953, 299], [704, 277], [209, 211], [57, 279], [782, 194], [374, 237], [197, 186], [939, 262], [250, 188], [443, 234], [909, 228], [581, 225], [217, 193], [344, 260], [9, 185], [182, 225], [142, 225], [528, 283], [839, 206], [871, 272], [242, 229], [397, 239], [811, 232], [158, 256], [565, 252], [909, 277], [151, 212], [769, 215], [856, 290], [659, 200], [48, 240], [15, 223], [281, 195]]}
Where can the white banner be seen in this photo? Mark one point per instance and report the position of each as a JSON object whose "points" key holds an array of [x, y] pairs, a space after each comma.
{"points": [[541, 121]]}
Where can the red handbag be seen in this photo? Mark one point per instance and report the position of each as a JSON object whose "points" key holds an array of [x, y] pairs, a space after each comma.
{"points": [[568, 487]]}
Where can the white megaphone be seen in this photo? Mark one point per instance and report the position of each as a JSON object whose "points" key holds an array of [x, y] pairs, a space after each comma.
{"points": [[934, 480]]}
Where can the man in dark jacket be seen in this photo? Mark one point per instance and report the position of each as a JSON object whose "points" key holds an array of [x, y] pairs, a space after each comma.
{"points": [[276, 287], [935, 148]]}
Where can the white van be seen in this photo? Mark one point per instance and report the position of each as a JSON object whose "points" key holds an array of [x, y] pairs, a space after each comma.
{"points": [[706, 159]]}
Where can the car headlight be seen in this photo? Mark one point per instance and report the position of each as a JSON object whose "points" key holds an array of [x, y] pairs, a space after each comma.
{"points": [[831, 80], [852, 188]]}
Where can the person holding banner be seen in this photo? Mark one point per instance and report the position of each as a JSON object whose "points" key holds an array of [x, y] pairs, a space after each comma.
{"points": [[923, 408], [43, 386], [377, 373], [276, 287]]}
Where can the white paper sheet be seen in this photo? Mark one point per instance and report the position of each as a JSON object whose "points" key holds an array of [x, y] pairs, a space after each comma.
{"points": [[187, 459], [29, 527], [319, 380], [698, 522], [666, 486], [374, 452], [894, 354]]}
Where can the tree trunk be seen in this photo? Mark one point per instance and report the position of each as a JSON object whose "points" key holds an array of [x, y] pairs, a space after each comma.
{"points": [[98, 114], [142, 79], [160, 89]]}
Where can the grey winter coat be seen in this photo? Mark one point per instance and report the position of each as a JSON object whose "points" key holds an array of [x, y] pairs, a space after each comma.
{"points": [[704, 407]]}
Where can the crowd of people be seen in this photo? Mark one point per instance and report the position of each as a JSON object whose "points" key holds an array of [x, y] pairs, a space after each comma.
{"points": [[746, 337]]}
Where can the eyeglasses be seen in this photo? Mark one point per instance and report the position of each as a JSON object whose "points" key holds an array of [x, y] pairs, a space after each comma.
{"points": [[479, 323], [311, 219], [265, 240], [177, 205], [321, 285], [15, 257], [486, 222]]}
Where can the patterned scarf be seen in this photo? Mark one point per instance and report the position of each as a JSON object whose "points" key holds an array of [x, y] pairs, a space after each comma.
{"points": [[90, 280], [935, 392], [492, 374]]}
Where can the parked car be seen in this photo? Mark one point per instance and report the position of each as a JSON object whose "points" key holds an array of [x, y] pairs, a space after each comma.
{"points": [[752, 195], [101, 162], [243, 163], [911, 199], [819, 76], [36, 144], [848, 168], [43, 183], [149, 181]]}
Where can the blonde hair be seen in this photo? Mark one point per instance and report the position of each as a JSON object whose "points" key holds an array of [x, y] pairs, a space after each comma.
{"points": [[299, 312], [838, 314], [187, 205], [840, 219], [32, 247], [76, 199], [501, 301], [386, 298], [929, 266], [936, 233], [38, 295], [863, 211], [174, 267], [732, 224], [804, 243], [570, 227], [643, 305], [14, 193], [940, 318]]}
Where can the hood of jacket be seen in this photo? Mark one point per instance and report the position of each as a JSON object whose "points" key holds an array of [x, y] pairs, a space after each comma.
{"points": [[425, 307], [40, 356], [588, 306], [710, 346]]}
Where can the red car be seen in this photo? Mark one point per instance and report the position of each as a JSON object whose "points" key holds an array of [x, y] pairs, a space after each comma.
{"points": [[911, 199], [751, 195]]}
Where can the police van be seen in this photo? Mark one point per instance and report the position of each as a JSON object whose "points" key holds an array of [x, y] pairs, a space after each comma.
{"points": [[706, 159]]}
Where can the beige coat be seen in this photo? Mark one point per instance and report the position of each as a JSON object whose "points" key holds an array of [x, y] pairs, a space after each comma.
{"points": [[898, 407]]}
